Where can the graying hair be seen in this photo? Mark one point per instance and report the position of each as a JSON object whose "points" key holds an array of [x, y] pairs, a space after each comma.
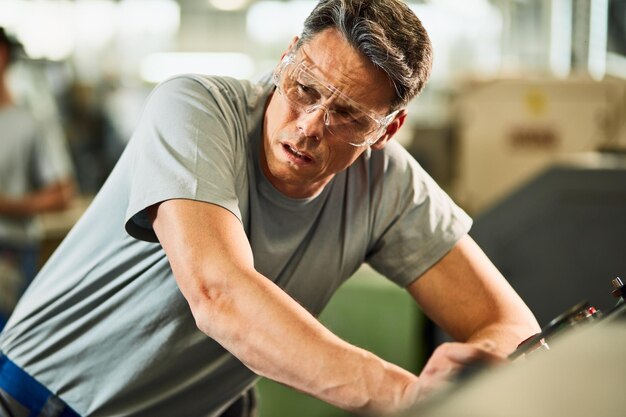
{"points": [[387, 32]]}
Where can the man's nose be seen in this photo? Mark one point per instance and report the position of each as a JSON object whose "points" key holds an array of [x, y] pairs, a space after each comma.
{"points": [[312, 121]]}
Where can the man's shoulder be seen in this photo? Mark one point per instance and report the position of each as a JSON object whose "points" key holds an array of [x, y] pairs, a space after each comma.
{"points": [[393, 156], [393, 168], [217, 87]]}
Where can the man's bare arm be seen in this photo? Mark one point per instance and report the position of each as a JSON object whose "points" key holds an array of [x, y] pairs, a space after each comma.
{"points": [[54, 197], [259, 323], [467, 296]]}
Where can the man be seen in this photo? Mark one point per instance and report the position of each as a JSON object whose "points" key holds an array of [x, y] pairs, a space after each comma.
{"points": [[35, 177], [235, 213]]}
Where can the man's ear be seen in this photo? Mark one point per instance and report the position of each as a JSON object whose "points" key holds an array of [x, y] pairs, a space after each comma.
{"points": [[291, 46], [391, 130]]}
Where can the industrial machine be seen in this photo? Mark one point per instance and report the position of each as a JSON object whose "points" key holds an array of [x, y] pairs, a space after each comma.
{"points": [[561, 235], [510, 130], [573, 368]]}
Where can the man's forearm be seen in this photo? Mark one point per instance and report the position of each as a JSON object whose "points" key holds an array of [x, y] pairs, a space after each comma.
{"points": [[51, 198], [259, 323], [505, 337], [285, 343], [466, 295]]}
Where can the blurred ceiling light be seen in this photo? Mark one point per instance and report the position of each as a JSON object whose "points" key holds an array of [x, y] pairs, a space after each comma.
{"points": [[12, 12], [598, 28], [47, 32], [560, 41], [157, 67], [277, 21], [53, 29], [93, 22], [141, 17], [229, 4]]}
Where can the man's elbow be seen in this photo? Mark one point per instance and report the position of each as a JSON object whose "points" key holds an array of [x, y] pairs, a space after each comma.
{"points": [[220, 314], [213, 309]]}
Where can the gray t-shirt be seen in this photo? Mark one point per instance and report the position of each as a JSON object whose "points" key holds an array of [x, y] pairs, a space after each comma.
{"points": [[30, 158], [104, 325]]}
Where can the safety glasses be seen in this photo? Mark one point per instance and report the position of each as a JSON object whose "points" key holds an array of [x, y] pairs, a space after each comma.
{"points": [[343, 117]]}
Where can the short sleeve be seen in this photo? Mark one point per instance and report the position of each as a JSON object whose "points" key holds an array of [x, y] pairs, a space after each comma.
{"points": [[416, 222], [183, 148]]}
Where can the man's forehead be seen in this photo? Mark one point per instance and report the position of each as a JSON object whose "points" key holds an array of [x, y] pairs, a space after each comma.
{"points": [[343, 76]]}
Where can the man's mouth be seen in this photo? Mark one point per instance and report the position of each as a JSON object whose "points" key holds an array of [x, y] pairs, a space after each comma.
{"points": [[296, 153]]}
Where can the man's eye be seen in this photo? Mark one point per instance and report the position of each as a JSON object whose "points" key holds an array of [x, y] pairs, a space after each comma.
{"points": [[305, 89], [360, 121], [348, 117], [306, 94]]}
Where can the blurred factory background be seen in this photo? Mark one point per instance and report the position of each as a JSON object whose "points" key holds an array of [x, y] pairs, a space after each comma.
{"points": [[523, 123]]}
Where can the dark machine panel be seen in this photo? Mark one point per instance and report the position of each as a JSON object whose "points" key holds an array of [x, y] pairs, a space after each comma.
{"points": [[561, 238]]}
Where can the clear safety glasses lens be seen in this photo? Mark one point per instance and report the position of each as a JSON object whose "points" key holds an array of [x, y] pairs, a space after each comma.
{"points": [[305, 92]]}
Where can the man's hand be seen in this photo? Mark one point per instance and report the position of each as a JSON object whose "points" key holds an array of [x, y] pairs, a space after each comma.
{"points": [[450, 358]]}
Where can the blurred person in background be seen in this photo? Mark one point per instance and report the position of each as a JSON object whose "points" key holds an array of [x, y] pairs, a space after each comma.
{"points": [[35, 177], [235, 212]]}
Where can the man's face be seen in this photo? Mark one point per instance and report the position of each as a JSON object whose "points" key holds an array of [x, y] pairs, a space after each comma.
{"points": [[4, 57], [300, 155]]}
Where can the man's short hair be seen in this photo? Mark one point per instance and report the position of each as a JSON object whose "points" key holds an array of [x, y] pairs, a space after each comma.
{"points": [[387, 32], [9, 44]]}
